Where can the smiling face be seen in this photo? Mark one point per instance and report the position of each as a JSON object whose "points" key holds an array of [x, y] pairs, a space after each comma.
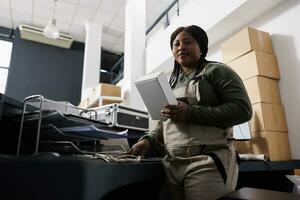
{"points": [[186, 51]]}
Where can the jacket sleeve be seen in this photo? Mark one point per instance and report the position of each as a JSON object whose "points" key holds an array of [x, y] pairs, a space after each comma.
{"points": [[155, 138], [235, 107]]}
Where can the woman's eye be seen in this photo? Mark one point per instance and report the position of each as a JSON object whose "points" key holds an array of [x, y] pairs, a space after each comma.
{"points": [[176, 44], [185, 42]]}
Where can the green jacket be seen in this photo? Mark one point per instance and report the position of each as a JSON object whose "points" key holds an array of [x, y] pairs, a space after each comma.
{"points": [[224, 102]]}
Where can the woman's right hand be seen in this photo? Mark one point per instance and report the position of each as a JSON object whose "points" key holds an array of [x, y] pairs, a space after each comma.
{"points": [[140, 148]]}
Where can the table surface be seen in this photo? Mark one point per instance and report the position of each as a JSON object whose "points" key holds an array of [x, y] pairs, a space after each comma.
{"points": [[260, 194], [71, 178], [269, 165]]}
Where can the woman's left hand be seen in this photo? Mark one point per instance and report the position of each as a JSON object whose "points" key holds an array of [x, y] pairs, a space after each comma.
{"points": [[175, 112]]}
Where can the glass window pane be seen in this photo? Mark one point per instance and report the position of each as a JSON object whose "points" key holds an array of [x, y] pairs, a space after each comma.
{"points": [[5, 53], [3, 78]]}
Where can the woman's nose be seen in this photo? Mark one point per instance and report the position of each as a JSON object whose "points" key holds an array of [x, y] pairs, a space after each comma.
{"points": [[181, 46]]}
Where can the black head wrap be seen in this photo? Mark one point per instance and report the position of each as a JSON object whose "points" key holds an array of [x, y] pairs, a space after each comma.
{"points": [[201, 38]]}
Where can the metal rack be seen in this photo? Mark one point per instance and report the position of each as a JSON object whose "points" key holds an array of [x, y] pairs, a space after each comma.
{"points": [[50, 115]]}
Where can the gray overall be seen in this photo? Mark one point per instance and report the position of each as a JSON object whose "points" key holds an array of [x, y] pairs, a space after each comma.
{"points": [[201, 161]]}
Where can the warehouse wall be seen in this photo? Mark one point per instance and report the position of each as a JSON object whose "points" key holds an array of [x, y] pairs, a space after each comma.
{"points": [[51, 71], [54, 72]]}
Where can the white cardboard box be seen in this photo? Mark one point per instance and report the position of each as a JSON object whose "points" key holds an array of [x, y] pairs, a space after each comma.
{"points": [[156, 93]]}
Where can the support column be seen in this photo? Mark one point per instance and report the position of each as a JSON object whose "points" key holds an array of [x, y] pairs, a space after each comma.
{"points": [[134, 51], [92, 58]]}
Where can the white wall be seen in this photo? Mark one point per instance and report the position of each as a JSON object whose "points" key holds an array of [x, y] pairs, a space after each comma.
{"points": [[92, 58], [279, 18], [193, 12], [134, 57]]}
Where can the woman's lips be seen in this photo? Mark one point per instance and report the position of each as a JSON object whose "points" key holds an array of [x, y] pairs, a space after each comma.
{"points": [[182, 54]]}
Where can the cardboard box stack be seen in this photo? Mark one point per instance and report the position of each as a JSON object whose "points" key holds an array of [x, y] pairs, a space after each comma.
{"points": [[84, 104], [250, 53], [102, 94]]}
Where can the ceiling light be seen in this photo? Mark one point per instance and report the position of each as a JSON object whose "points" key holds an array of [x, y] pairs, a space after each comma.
{"points": [[51, 30]]}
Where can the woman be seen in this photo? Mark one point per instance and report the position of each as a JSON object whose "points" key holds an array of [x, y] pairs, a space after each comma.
{"points": [[196, 134]]}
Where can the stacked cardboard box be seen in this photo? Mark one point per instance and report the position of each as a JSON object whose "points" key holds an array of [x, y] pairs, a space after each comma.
{"points": [[84, 104], [249, 53], [102, 94]]}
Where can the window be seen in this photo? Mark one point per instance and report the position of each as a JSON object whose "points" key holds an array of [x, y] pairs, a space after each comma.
{"points": [[5, 54]]}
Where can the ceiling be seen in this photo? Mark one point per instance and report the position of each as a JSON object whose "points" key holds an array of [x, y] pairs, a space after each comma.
{"points": [[71, 16]]}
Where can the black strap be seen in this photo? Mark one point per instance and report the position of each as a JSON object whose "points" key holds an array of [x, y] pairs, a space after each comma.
{"points": [[219, 165]]}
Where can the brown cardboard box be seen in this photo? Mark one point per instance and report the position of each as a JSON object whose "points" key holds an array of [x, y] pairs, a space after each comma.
{"points": [[243, 147], [110, 101], [256, 63], [274, 144], [297, 172], [84, 103], [268, 117], [104, 100], [244, 41], [261, 89], [278, 145], [104, 89]]}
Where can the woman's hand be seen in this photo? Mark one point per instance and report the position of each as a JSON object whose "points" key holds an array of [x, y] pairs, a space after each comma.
{"points": [[176, 113], [140, 148]]}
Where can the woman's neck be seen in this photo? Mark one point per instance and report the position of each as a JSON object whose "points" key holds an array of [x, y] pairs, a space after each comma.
{"points": [[188, 70]]}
